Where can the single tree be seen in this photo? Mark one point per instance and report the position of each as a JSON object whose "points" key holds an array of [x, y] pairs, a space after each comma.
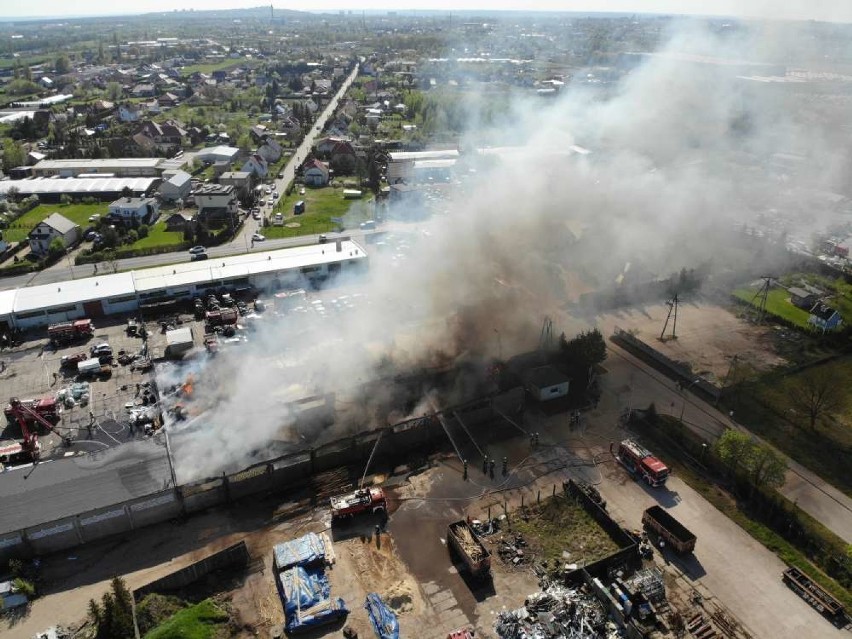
{"points": [[63, 65], [815, 393], [734, 449], [56, 248], [767, 467]]}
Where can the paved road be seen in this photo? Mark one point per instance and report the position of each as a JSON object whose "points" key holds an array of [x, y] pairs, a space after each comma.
{"points": [[636, 384], [288, 173], [240, 244]]}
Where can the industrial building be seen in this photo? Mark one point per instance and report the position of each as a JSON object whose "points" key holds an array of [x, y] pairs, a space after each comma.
{"points": [[116, 293], [102, 188], [401, 164], [117, 167]]}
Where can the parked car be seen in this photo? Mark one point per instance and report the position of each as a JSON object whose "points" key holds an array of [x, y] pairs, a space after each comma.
{"points": [[256, 215], [197, 257], [195, 250], [101, 350], [323, 239], [257, 237], [94, 218]]}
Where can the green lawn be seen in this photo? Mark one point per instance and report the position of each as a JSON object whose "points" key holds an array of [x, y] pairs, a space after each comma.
{"points": [[201, 621], [159, 236], [320, 206], [77, 213], [778, 304], [767, 410]]}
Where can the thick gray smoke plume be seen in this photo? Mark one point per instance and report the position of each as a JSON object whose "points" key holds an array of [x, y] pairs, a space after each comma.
{"points": [[692, 142]]}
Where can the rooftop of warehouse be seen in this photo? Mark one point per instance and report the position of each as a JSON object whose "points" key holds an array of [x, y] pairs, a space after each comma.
{"points": [[77, 185], [33, 298], [215, 269], [129, 162]]}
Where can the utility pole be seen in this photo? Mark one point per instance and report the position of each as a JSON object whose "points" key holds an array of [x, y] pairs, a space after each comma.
{"points": [[761, 296], [672, 315]]}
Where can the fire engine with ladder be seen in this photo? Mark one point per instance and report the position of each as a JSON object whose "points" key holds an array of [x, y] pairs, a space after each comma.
{"points": [[29, 447], [640, 463]]}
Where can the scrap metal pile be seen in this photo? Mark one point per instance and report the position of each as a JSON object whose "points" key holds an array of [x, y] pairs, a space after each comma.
{"points": [[557, 613]]}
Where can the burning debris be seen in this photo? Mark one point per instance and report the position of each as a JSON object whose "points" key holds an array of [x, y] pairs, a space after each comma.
{"points": [[557, 613]]}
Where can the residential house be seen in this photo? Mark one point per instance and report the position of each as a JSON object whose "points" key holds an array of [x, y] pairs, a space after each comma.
{"points": [[325, 145], [270, 150], [168, 100], [217, 204], [315, 173], [179, 221], [257, 165], [134, 211], [343, 152], [258, 133], [143, 91], [130, 112], [52, 227], [289, 125], [176, 185], [240, 180], [46, 82], [824, 318], [162, 137], [803, 298]]}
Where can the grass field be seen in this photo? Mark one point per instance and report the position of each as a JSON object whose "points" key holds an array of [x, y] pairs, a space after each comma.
{"points": [[201, 621], [159, 236], [778, 304], [767, 410], [558, 525], [320, 206], [77, 213]]}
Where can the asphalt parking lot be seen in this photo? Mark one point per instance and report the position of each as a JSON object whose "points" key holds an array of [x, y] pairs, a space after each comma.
{"points": [[94, 411]]}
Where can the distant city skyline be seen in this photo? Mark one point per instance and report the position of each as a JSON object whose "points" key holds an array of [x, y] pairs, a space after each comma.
{"points": [[823, 10]]}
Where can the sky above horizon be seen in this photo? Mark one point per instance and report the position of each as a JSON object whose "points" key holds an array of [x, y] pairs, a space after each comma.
{"points": [[823, 10]]}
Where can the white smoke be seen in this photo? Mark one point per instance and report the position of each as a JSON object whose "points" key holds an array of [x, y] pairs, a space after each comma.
{"points": [[682, 150]]}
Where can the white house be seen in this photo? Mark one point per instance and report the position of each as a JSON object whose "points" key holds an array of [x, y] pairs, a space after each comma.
{"points": [[53, 226], [256, 164], [129, 113], [315, 173], [132, 211], [176, 185]]}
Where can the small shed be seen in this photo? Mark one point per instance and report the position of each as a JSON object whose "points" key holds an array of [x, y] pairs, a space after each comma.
{"points": [[802, 298], [179, 341], [546, 383]]}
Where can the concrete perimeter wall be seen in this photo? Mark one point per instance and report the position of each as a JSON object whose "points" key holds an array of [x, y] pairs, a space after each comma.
{"points": [[421, 435]]}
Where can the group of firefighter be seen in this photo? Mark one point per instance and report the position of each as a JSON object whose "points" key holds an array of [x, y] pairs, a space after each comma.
{"points": [[488, 463]]}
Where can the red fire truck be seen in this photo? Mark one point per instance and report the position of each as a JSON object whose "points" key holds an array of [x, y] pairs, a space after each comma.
{"points": [[640, 463], [68, 332], [364, 500]]}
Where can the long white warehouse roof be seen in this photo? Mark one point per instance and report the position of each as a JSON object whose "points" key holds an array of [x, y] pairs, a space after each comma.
{"points": [[46, 296], [87, 289], [76, 185], [143, 163], [244, 265], [411, 156]]}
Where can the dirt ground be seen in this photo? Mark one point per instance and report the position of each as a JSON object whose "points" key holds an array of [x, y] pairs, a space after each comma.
{"points": [[708, 336]]}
